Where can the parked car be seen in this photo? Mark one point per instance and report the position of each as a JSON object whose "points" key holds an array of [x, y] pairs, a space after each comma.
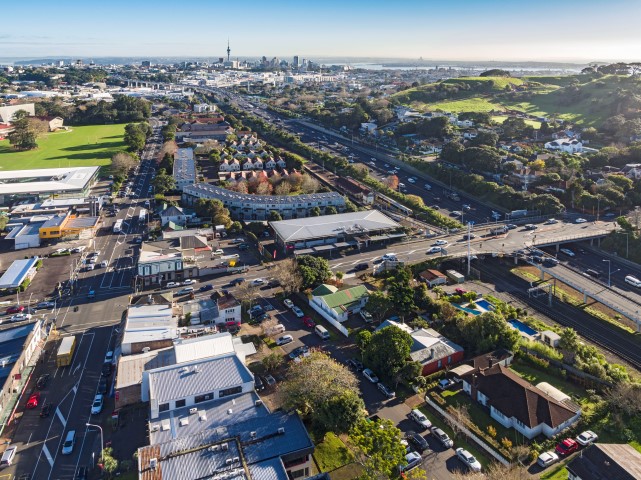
{"points": [[418, 441], [106, 369], [284, 340], [109, 357], [288, 303], [355, 364], [445, 383], [308, 322], [8, 456], [206, 288], [270, 380], [298, 312], [302, 351], [172, 285], [547, 458], [566, 447], [412, 460], [371, 376], [587, 437], [189, 281], [366, 316], [42, 381], [420, 418], [34, 400], [45, 411], [103, 385], [385, 390], [257, 281], [468, 459], [15, 309], [442, 437], [580, 220], [96, 406]]}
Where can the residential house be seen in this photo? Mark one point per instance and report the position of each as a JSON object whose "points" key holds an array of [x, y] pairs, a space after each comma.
{"points": [[173, 214], [53, 123], [270, 164], [433, 277], [362, 193], [281, 163], [515, 403], [632, 171], [568, 145], [431, 349], [606, 461], [338, 304]]}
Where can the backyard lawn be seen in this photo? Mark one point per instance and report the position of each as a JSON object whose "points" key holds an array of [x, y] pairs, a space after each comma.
{"points": [[79, 147], [332, 453]]}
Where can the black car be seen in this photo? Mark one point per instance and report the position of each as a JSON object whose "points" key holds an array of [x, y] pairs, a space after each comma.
{"points": [[299, 352], [106, 369], [418, 441], [355, 364], [361, 266], [237, 281], [45, 410], [102, 386], [206, 288], [273, 283], [42, 381], [258, 384]]}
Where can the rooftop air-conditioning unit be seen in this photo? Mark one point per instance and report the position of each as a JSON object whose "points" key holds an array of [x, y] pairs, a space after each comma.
{"points": [[146, 350], [153, 463], [252, 434], [258, 403], [230, 411], [202, 416], [193, 410], [228, 461], [184, 421], [235, 460], [281, 431], [224, 446]]}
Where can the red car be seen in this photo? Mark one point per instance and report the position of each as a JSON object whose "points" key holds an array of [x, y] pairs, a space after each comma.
{"points": [[34, 400], [460, 291], [567, 446], [15, 309], [308, 322]]}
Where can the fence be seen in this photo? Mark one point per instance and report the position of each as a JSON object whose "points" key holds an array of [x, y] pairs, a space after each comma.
{"points": [[467, 432], [334, 323]]}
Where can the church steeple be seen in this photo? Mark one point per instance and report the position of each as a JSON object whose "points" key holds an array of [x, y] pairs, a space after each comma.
{"points": [[228, 49]]}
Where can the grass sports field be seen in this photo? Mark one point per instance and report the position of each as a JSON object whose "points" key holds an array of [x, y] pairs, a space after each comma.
{"points": [[80, 147]]}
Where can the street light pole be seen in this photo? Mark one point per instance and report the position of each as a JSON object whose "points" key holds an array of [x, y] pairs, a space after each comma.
{"points": [[609, 270], [102, 443]]}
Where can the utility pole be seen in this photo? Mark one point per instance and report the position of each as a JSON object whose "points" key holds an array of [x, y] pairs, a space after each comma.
{"points": [[469, 240]]}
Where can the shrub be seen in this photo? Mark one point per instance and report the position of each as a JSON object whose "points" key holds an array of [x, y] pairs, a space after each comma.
{"points": [[506, 442], [491, 431]]}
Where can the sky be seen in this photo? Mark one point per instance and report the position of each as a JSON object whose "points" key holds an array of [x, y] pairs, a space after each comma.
{"points": [[501, 30]]}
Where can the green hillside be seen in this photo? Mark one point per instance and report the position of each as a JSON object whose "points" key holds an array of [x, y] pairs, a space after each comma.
{"points": [[488, 84]]}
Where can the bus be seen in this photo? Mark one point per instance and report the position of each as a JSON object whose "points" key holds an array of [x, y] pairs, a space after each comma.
{"points": [[118, 226], [142, 215], [65, 351]]}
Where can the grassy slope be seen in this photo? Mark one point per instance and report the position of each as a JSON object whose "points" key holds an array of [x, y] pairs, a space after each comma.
{"points": [[474, 104], [487, 83], [82, 146], [502, 118]]}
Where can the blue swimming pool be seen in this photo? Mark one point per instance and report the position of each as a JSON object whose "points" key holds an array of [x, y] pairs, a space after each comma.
{"points": [[481, 302], [482, 306], [522, 327]]}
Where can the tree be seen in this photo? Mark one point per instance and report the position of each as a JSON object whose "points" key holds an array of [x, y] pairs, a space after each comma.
{"points": [[109, 463], [340, 413], [380, 444], [388, 351], [495, 72], [315, 212], [315, 381], [122, 162], [487, 138], [283, 188], [274, 216], [290, 278], [309, 184], [330, 210], [410, 372], [24, 134], [362, 339], [313, 270], [272, 361], [268, 326], [246, 293], [135, 136], [163, 183], [378, 304]]}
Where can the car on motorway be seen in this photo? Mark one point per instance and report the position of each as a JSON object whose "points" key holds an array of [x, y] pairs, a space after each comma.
{"points": [[566, 447], [19, 317], [308, 322], [427, 186], [189, 281], [236, 240], [371, 376], [547, 458], [550, 221], [42, 381], [288, 303], [417, 440], [184, 291], [15, 309], [257, 281], [361, 266], [510, 226], [96, 406], [284, 340], [172, 285], [420, 418], [243, 246], [442, 437], [580, 220], [567, 251], [412, 460], [34, 400], [440, 243], [587, 437], [468, 459], [632, 280], [206, 288], [355, 364], [457, 213], [550, 262], [218, 251], [298, 312], [45, 411], [469, 236], [385, 390], [390, 256], [433, 250], [411, 180]]}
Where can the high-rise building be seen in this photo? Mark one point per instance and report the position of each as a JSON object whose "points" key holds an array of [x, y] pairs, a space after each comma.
{"points": [[295, 64], [146, 64], [228, 50]]}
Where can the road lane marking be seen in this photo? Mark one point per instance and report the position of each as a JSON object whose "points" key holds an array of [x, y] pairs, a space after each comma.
{"points": [[45, 450], [62, 419]]}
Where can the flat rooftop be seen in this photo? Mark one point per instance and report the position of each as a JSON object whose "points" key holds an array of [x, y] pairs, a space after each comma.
{"points": [[17, 272], [352, 223], [46, 180]]}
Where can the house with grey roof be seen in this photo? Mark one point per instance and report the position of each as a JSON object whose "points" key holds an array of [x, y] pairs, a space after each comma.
{"points": [[184, 172]]}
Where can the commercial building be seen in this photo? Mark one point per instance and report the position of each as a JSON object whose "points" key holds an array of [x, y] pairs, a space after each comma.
{"points": [[46, 182], [149, 327], [184, 168], [171, 260], [258, 207], [320, 234], [8, 112], [18, 272]]}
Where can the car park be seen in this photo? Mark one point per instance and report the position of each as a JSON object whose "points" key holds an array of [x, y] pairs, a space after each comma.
{"points": [[587, 437], [566, 447], [385, 390], [547, 458], [298, 312], [371, 376], [420, 418], [96, 406], [468, 459], [42, 381], [33, 401], [284, 340], [418, 441], [288, 303], [442, 437]]}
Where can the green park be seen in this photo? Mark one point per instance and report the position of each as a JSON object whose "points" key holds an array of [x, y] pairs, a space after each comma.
{"points": [[76, 147]]}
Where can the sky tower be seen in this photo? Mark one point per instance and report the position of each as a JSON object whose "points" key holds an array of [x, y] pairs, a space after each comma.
{"points": [[228, 49]]}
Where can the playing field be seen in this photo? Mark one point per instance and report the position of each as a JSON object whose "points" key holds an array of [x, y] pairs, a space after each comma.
{"points": [[80, 147]]}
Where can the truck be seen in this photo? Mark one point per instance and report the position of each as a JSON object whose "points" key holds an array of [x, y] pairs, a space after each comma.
{"points": [[518, 213], [65, 351]]}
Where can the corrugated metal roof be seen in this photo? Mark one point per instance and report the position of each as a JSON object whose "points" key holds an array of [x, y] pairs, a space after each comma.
{"points": [[272, 469], [183, 380], [203, 347], [17, 272]]}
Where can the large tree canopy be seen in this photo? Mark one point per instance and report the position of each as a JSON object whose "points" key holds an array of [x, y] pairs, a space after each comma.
{"points": [[387, 351]]}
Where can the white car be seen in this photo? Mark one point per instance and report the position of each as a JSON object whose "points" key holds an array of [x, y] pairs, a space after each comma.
{"points": [[20, 317], [442, 437], [298, 312], [434, 250], [284, 340], [587, 437], [567, 251], [371, 376], [551, 221], [390, 256], [441, 242], [496, 215], [257, 281], [172, 285], [580, 220], [411, 180], [189, 282], [288, 303], [219, 251], [420, 418], [412, 460], [456, 213], [96, 406], [468, 459], [104, 264], [547, 458]]}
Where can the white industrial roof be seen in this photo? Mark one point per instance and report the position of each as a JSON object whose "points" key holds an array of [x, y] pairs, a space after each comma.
{"points": [[17, 272], [203, 347], [353, 223], [45, 180]]}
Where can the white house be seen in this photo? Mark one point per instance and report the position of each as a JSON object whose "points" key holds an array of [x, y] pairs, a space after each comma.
{"points": [[173, 214], [338, 304], [568, 145], [270, 164]]}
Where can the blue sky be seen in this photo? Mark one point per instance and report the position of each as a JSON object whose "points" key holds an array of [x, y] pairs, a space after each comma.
{"points": [[572, 30]]}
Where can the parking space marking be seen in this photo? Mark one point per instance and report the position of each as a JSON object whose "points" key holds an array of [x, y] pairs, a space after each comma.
{"points": [[45, 450], [62, 419]]}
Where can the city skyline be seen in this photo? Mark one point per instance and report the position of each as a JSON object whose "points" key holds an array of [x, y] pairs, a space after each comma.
{"points": [[579, 31]]}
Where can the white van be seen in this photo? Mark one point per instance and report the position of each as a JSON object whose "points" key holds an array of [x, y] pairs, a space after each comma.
{"points": [[632, 280], [275, 330], [70, 441], [321, 332]]}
